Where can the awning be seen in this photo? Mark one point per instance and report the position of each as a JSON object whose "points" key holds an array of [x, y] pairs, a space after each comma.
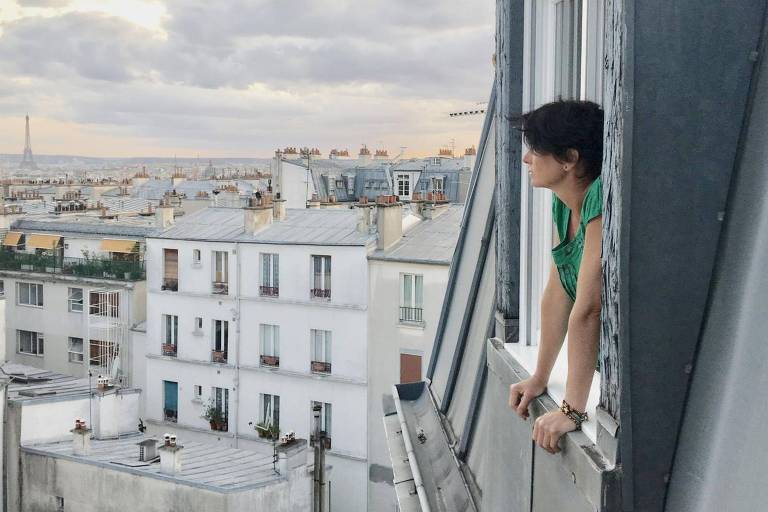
{"points": [[42, 241], [12, 238], [122, 246]]}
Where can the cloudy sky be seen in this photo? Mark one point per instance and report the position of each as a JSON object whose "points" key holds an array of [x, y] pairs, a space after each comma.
{"points": [[241, 77]]}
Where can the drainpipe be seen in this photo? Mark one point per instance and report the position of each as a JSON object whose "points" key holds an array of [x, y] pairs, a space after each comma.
{"points": [[237, 344]]}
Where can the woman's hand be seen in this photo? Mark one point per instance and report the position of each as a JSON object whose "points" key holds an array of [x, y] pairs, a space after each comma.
{"points": [[549, 428], [521, 394]]}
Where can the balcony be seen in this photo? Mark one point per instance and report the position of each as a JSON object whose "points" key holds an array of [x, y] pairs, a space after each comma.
{"points": [[219, 356], [320, 367], [83, 267], [411, 315], [169, 349], [320, 293], [219, 287], [326, 439], [170, 415], [269, 291], [170, 285], [273, 361]]}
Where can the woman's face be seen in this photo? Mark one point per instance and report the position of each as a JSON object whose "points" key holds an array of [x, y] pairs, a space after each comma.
{"points": [[544, 170]]}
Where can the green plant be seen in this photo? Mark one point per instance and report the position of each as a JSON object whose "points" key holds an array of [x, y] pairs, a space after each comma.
{"points": [[267, 430], [213, 413]]}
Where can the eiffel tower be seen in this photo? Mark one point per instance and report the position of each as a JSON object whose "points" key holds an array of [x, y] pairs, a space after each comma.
{"points": [[28, 162]]}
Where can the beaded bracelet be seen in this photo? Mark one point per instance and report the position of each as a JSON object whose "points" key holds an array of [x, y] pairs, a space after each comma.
{"points": [[575, 416]]}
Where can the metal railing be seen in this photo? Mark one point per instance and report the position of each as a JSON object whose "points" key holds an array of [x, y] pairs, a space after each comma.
{"points": [[218, 356], [169, 349], [84, 267], [269, 291], [320, 367], [411, 314], [270, 361], [320, 293], [219, 288]]}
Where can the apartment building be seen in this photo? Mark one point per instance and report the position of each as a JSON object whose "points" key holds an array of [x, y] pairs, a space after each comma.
{"points": [[74, 286]]}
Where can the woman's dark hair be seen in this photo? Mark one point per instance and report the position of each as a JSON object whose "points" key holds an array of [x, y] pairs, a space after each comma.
{"points": [[556, 127]]}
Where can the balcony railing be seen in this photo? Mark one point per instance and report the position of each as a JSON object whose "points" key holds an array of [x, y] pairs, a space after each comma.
{"points": [[170, 415], [411, 314], [170, 284], [169, 349], [84, 267], [269, 291], [320, 293], [219, 356], [327, 439], [320, 367], [219, 288], [270, 361]]}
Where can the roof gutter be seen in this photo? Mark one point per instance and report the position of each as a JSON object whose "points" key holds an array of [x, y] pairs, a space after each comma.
{"points": [[417, 480]]}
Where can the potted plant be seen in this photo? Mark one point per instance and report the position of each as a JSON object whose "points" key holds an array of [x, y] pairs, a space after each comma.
{"points": [[215, 416], [267, 430]]}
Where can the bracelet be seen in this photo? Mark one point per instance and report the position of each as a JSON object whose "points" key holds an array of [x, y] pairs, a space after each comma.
{"points": [[575, 416]]}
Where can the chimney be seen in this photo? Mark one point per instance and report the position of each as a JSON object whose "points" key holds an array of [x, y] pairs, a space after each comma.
{"points": [[389, 221], [278, 208], [314, 203], [291, 455], [81, 438], [258, 214], [364, 213], [164, 214], [470, 154], [170, 455], [106, 411], [147, 450]]}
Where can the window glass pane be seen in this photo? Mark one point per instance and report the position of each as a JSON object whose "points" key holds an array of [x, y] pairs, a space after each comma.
{"points": [[418, 291], [407, 290]]}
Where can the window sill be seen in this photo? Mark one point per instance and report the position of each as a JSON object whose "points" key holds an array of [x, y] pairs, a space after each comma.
{"points": [[197, 265], [526, 356], [29, 354], [413, 325], [30, 306]]}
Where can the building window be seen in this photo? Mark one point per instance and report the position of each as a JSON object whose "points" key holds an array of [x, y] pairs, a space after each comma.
{"points": [[220, 341], [30, 342], [220, 405], [270, 275], [102, 353], [411, 298], [198, 325], [410, 368], [170, 401], [321, 351], [196, 257], [75, 350], [220, 272], [29, 294], [321, 277], [198, 393], [2, 288], [270, 411], [270, 344], [170, 270], [170, 335], [438, 185], [325, 422], [104, 304], [59, 503], [75, 300], [403, 185]]}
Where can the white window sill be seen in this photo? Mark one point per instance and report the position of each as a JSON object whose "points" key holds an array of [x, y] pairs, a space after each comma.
{"points": [[29, 354], [527, 355], [412, 325], [29, 306]]}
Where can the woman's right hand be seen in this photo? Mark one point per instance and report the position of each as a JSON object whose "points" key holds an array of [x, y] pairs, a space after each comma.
{"points": [[521, 394]]}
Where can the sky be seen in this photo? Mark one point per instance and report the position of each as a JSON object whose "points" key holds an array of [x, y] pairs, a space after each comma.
{"points": [[239, 78]]}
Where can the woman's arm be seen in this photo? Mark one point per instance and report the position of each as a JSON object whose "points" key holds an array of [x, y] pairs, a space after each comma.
{"points": [[555, 309], [583, 340]]}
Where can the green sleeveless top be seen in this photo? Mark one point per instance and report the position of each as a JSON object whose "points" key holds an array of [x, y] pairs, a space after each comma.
{"points": [[567, 254]]}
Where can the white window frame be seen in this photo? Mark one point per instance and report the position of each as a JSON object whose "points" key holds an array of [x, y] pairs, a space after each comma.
{"points": [[36, 341], [269, 340], [537, 233], [326, 418], [170, 326], [197, 393], [269, 409], [220, 398], [221, 344], [34, 302], [403, 183], [270, 269], [220, 266], [198, 326], [326, 268], [412, 298], [74, 356], [321, 345], [197, 258], [74, 305]]}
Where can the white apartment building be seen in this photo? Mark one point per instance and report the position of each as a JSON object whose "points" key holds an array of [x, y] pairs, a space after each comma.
{"points": [[254, 315], [407, 286], [74, 286]]}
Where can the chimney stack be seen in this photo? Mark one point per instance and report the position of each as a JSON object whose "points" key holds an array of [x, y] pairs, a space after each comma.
{"points": [[389, 221], [259, 213], [164, 214], [170, 455], [81, 438], [364, 215]]}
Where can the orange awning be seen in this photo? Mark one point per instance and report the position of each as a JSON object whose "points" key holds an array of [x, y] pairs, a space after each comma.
{"points": [[42, 241], [122, 246], [12, 238]]}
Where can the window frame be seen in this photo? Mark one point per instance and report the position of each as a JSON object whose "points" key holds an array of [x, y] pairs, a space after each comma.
{"points": [[269, 345], [269, 273], [222, 344], [326, 342], [170, 326], [39, 294], [70, 352], [325, 276], [269, 403], [413, 300], [403, 182], [38, 343], [326, 418], [72, 302]]}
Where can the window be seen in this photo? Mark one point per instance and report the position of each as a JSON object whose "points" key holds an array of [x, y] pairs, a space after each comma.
{"points": [[325, 422], [198, 325], [75, 300], [270, 344], [59, 503], [170, 270], [321, 351], [102, 303], [270, 275], [410, 368], [411, 298], [270, 410], [403, 185], [170, 335], [29, 294], [102, 353], [220, 272], [198, 393], [75, 350], [2, 288], [220, 402], [30, 342], [438, 184], [321, 277], [196, 257], [170, 401], [220, 341]]}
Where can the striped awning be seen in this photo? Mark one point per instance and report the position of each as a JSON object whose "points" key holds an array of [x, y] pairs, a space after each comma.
{"points": [[121, 246], [39, 241], [12, 238]]}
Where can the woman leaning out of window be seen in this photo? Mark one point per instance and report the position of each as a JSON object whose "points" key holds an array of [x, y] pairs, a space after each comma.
{"points": [[565, 141]]}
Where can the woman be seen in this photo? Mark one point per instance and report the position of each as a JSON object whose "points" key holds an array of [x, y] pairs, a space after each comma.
{"points": [[565, 141]]}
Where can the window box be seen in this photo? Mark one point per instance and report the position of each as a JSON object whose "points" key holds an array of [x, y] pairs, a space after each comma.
{"points": [[219, 356], [321, 367], [269, 291], [169, 349], [270, 361], [219, 426]]}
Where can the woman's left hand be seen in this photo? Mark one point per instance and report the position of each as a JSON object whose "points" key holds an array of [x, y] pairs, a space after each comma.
{"points": [[549, 428]]}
